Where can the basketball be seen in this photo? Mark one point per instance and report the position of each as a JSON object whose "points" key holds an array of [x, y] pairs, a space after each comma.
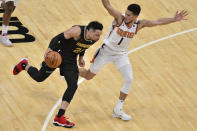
{"points": [[53, 59]]}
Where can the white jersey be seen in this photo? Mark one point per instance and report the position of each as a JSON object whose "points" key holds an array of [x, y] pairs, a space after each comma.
{"points": [[119, 37]]}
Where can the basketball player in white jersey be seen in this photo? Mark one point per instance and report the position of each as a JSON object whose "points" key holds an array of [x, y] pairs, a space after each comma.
{"points": [[116, 44], [9, 7]]}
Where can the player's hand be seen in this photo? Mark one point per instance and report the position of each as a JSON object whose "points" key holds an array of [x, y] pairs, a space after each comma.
{"points": [[180, 15], [47, 51], [81, 62]]}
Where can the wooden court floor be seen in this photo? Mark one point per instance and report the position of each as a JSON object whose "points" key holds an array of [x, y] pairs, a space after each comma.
{"points": [[164, 90]]}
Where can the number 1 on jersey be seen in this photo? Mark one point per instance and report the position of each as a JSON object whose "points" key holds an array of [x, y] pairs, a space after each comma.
{"points": [[120, 41]]}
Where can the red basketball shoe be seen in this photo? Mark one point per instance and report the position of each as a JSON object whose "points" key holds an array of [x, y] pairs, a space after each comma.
{"points": [[20, 66], [62, 121]]}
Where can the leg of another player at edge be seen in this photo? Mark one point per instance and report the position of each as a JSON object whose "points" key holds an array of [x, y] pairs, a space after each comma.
{"points": [[9, 9]]}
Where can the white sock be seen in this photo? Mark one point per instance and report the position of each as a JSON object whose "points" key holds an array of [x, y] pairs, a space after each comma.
{"points": [[119, 104], [4, 29]]}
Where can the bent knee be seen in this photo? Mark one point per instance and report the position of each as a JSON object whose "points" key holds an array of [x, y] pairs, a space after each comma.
{"points": [[129, 79]]}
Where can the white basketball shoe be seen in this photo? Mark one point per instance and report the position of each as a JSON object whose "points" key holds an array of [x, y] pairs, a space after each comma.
{"points": [[5, 40], [118, 113]]}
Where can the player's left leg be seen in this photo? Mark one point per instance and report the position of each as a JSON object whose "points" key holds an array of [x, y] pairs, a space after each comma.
{"points": [[87, 74], [9, 7], [100, 59], [71, 78], [124, 66]]}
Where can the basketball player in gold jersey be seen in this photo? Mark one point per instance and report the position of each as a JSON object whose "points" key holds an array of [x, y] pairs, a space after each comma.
{"points": [[71, 44], [9, 7], [116, 44]]}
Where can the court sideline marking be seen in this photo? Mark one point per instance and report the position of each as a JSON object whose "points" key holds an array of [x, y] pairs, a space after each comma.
{"points": [[131, 51]]}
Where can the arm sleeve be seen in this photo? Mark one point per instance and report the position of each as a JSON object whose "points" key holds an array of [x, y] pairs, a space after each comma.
{"points": [[55, 43]]}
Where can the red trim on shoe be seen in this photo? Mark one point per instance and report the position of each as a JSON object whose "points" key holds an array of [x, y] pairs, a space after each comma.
{"points": [[18, 68], [62, 121]]}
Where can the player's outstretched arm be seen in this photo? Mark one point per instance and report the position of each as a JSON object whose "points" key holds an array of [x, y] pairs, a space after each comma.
{"points": [[163, 21], [113, 12]]}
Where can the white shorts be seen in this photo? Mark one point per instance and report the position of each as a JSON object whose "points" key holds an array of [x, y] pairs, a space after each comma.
{"points": [[15, 1], [104, 55]]}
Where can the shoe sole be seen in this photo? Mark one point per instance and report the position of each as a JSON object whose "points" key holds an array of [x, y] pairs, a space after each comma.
{"points": [[58, 124], [120, 117]]}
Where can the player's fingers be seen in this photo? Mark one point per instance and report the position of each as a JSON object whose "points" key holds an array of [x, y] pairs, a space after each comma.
{"points": [[182, 11], [185, 14], [176, 12]]}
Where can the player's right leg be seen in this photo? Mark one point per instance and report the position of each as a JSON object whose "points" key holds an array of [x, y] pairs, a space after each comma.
{"points": [[37, 75], [126, 72], [71, 78]]}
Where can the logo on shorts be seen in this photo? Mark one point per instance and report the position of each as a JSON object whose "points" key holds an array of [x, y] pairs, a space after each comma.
{"points": [[49, 72], [21, 30]]}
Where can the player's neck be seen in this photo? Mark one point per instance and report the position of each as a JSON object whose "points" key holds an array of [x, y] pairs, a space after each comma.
{"points": [[130, 24], [87, 37]]}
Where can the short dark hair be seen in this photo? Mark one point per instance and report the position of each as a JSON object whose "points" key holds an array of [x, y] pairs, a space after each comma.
{"points": [[135, 8], [95, 25]]}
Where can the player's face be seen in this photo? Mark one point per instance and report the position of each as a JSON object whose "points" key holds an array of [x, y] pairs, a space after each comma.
{"points": [[129, 17], [94, 34]]}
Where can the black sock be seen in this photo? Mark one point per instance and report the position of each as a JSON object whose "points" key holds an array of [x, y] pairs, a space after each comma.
{"points": [[23, 65], [61, 112]]}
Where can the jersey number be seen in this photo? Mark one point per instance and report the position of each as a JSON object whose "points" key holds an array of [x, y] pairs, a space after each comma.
{"points": [[120, 41], [78, 50]]}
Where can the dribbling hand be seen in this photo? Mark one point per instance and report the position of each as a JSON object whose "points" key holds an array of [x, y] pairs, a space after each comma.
{"points": [[47, 51]]}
